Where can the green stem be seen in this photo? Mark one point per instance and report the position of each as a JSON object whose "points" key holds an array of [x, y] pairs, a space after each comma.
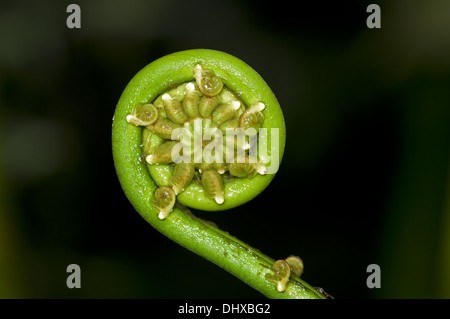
{"points": [[195, 234]]}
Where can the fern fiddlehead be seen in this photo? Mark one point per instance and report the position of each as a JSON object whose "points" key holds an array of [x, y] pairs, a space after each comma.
{"points": [[155, 151]]}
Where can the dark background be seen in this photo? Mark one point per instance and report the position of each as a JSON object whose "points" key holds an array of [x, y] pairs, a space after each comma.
{"points": [[364, 179]]}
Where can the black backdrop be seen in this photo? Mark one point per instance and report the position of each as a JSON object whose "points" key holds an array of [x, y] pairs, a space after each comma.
{"points": [[363, 180]]}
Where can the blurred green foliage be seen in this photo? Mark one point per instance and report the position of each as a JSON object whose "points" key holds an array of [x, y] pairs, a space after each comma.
{"points": [[366, 168]]}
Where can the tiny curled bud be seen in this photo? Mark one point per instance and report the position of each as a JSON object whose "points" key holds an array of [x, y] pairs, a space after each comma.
{"points": [[191, 100], [143, 115], [295, 264], [208, 83], [252, 117], [280, 276], [174, 109], [225, 112], [182, 176], [212, 182], [161, 154], [164, 199]]}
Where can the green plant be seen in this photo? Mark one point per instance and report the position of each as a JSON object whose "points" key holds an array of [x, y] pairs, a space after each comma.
{"points": [[166, 95]]}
